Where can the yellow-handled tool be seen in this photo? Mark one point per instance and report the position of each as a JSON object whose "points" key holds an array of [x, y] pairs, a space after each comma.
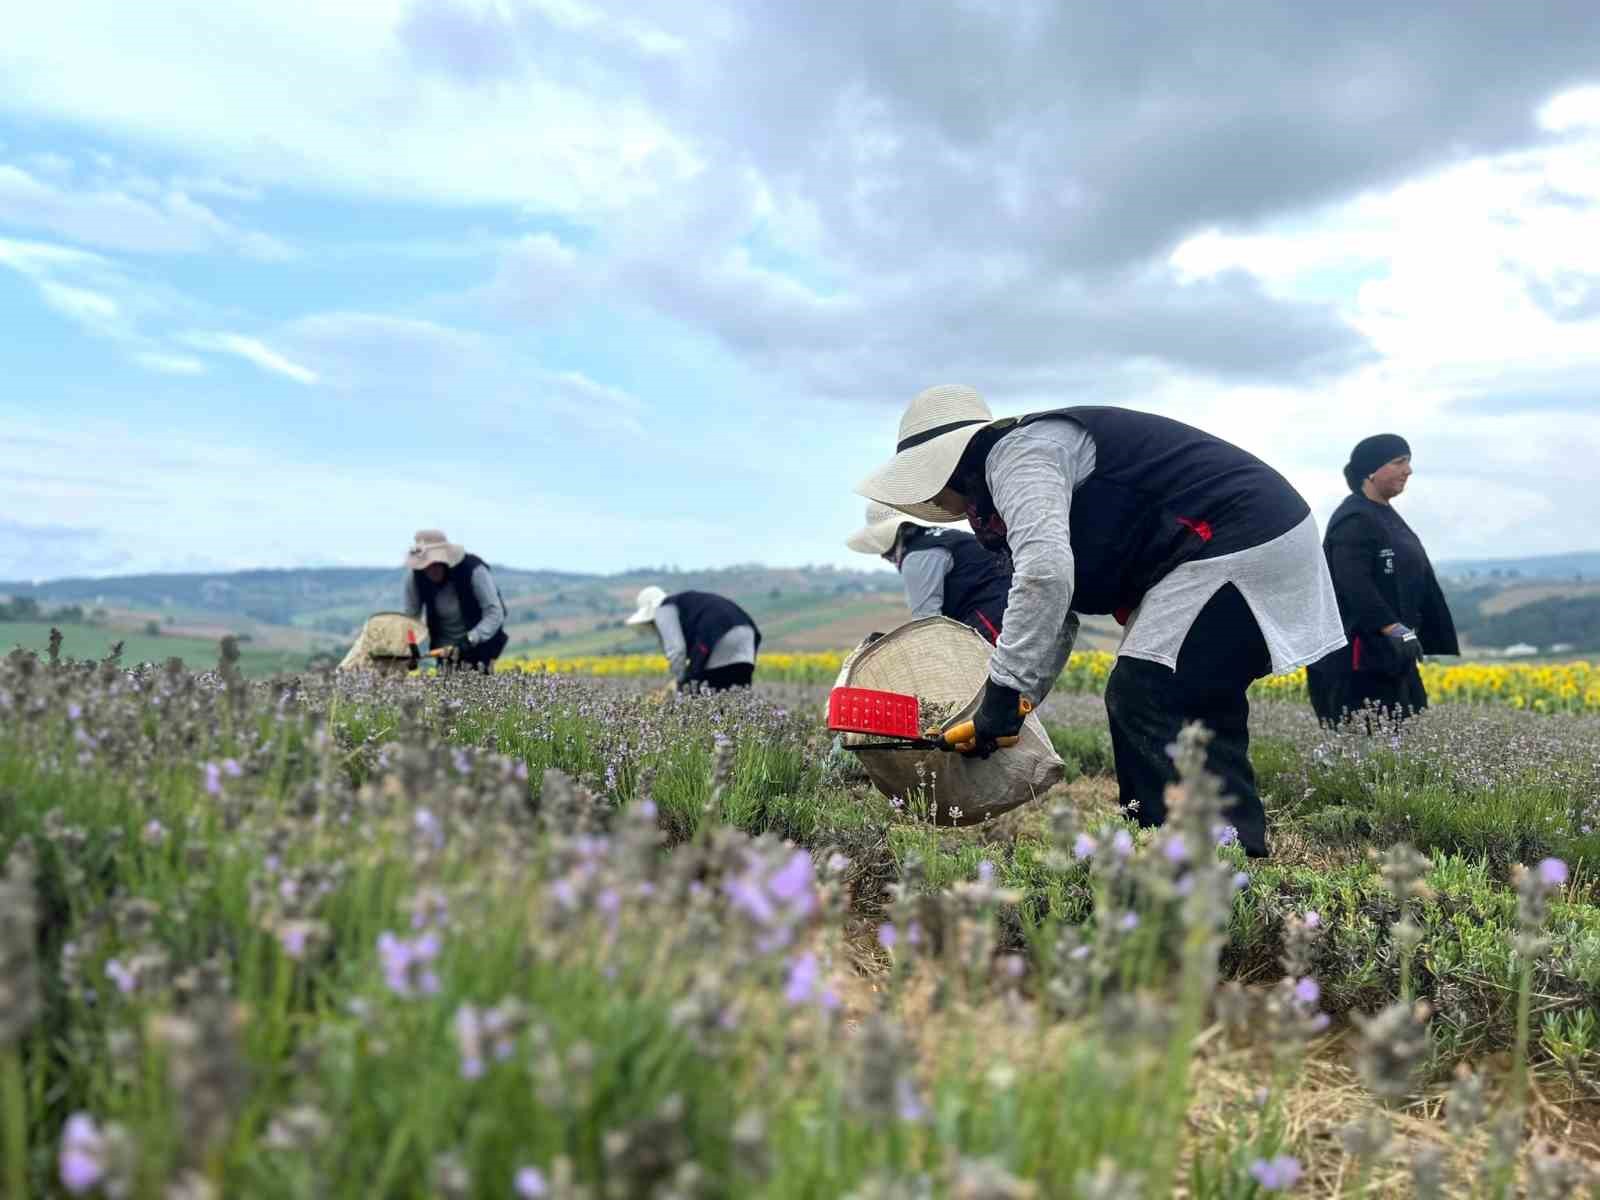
{"points": [[964, 736]]}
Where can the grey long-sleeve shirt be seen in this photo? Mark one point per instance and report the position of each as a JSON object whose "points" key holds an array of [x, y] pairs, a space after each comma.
{"points": [[738, 645], [922, 572], [447, 608], [1032, 474]]}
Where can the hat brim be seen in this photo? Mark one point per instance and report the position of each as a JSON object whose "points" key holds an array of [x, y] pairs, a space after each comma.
{"points": [[446, 555], [643, 616], [912, 478], [876, 538]]}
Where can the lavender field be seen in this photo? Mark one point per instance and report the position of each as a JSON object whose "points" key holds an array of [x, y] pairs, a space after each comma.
{"points": [[534, 936]]}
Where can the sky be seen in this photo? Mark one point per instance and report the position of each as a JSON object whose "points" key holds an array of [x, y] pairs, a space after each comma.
{"points": [[594, 285]]}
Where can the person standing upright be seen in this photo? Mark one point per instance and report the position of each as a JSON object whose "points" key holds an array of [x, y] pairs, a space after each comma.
{"points": [[710, 642], [945, 571], [457, 596], [1390, 601]]}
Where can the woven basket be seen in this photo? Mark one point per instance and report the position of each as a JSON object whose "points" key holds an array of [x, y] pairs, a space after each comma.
{"points": [[384, 643], [943, 662]]}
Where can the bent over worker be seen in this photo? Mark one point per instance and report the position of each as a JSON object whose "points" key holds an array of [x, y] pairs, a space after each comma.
{"points": [[710, 642], [945, 571], [1393, 608], [1207, 555], [456, 594]]}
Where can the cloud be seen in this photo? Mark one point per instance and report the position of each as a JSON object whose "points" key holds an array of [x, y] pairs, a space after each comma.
{"points": [[169, 221], [252, 350], [170, 364]]}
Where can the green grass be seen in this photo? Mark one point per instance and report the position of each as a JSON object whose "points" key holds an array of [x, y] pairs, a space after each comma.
{"points": [[94, 642]]}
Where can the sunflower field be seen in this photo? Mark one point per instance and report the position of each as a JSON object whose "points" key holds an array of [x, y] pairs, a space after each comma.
{"points": [[1537, 687]]}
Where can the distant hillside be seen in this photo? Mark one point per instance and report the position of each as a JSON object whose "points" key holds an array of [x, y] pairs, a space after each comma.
{"points": [[563, 612], [1579, 566]]}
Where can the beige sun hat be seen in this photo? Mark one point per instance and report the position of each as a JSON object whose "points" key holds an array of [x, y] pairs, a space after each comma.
{"points": [[934, 432], [430, 546], [649, 600], [883, 525]]}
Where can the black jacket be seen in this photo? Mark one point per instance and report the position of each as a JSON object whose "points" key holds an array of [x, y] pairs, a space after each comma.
{"points": [[705, 617], [471, 610], [1161, 493], [1381, 574], [977, 584]]}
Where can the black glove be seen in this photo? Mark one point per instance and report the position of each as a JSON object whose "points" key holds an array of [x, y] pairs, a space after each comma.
{"points": [[999, 716], [1406, 643]]}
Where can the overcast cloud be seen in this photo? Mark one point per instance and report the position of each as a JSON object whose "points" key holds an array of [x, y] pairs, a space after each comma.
{"points": [[678, 267]]}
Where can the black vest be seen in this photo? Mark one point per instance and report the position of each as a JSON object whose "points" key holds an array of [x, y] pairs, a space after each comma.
{"points": [[1162, 493], [471, 611], [705, 617], [977, 585]]}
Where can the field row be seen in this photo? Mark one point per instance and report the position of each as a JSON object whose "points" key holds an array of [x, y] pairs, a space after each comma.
{"points": [[1563, 687]]}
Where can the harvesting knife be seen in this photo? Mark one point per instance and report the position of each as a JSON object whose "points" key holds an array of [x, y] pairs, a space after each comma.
{"points": [[897, 717]]}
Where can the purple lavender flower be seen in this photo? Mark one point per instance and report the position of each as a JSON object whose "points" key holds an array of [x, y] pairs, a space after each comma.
{"points": [[907, 1103], [1128, 922], [74, 711], [231, 768], [126, 979], [803, 974], [469, 1032], [793, 883], [82, 1146], [1276, 1174], [1307, 990], [212, 774], [405, 964], [1084, 846], [986, 872], [1175, 850], [887, 935], [1227, 835], [530, 1183], [1312, 919], [293, 936], [1552, 872], [1122, 843]]}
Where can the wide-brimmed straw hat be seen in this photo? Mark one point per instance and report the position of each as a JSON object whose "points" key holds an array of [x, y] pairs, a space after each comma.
{"points": [[649, 600], [429, 546], [934, 432], [882, 527]]}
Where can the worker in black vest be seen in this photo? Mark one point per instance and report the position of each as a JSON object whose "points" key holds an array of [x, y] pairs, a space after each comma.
{"points": [[710, 642], [1393, 608], [1206, 555], [945, 571], [456, 594]]}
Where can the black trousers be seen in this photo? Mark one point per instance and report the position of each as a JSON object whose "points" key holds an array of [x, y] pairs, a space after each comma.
{"points": [[1338, 693], [1148, 704], [720, 679]]}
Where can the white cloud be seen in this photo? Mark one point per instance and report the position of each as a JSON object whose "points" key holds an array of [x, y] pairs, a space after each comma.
{"points": [[170, 364], [252, 350], [161, 220]]}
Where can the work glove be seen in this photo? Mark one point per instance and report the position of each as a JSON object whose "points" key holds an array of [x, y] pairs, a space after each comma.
{"points": [[1000, 715], [1406, 641]]}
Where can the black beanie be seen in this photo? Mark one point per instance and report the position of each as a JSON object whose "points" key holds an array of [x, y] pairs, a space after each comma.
{"points": [[1370, 454]]}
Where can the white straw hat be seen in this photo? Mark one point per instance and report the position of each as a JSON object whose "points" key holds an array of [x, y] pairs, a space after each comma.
{"points": [[430, 546], [650, 599], [934, 432], [883, 525]]}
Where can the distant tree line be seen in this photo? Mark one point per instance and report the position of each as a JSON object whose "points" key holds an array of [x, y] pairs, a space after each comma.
{"points": [[26, 608], [1556, 620]]}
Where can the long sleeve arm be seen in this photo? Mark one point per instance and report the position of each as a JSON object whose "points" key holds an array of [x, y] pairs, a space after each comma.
{"points": [[1352, 560], [1031, 475], [923, 572], [494, 612], [670, 628], [412, 602]]}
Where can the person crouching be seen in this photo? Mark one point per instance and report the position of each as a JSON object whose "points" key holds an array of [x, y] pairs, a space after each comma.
{"points": [[945, 571], [457, 596], [710, 642]]}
